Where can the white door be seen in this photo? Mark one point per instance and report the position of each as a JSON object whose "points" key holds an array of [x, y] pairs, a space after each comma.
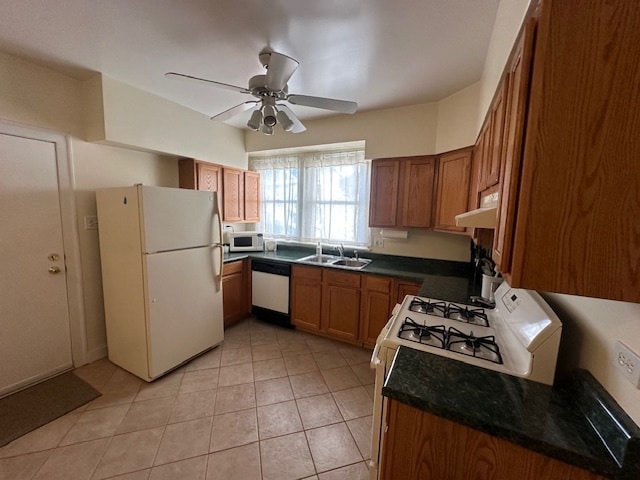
{"points": [[34, 318]]}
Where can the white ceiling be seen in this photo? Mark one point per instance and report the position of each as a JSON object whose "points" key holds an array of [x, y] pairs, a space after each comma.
{"points": [[379, 53]]}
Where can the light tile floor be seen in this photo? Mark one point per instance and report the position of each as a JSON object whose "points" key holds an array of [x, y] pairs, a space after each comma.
{"points": [[270, 403]]}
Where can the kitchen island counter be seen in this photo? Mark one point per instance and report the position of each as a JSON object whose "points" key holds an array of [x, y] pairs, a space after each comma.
{"points": [[579, 424]]}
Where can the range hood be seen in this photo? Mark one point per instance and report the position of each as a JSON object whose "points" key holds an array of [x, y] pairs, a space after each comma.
{"points": [[484, 217]]}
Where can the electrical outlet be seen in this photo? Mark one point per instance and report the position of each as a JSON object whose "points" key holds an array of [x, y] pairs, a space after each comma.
{"points": [[378, 242], [628, 363], [90, 222]]}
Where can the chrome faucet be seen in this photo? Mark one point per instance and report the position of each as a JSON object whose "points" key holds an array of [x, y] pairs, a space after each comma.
{"points": [[340, 249]]}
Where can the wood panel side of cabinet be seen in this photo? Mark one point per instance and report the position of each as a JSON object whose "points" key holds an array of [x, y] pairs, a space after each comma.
{"points": [[385, 183], [422, 445], [418, 175], [375, 307], [251, 196], [306, 297], [452, 198], [233, 195], [188, 173]]}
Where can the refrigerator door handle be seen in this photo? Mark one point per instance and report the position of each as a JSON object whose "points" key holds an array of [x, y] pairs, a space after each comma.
{"points": [[218, 244]]}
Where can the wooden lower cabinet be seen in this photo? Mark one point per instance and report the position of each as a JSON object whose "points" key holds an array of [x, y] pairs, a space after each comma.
{"points": [[374, 307], [421, 445], [404, 288], [345, 305], [341, 304], [235, 292], [306, 297]]}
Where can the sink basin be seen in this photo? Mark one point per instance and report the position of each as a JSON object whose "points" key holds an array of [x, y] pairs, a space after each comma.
{"points": [[319, 259], [335, 261], [351, 262]]}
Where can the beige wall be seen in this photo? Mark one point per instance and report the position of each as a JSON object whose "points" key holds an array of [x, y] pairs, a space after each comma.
{"points": [[392, 132], [101, 166], [505, 29], [458, 119]]}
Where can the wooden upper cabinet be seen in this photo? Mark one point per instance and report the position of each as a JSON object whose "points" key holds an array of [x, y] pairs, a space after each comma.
{"points": [[233, 203], [576, 212], [385, 185], [517, 78], [238, 190], [251, 196], [402, 192], [417, 192], [454, 176]]}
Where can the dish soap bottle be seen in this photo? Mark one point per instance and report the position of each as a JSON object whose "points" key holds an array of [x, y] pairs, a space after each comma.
{"points": [[319, 249]]}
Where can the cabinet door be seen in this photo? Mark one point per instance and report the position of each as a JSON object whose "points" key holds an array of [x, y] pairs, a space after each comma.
{"points": [[233, 195], [306, 297], [252, 196], [385, 182], [494, 162], [234, 293], [484, 147], [418, 175], [452, 199], [518, 79], [341, 304], [375, 307], [404, 288]]}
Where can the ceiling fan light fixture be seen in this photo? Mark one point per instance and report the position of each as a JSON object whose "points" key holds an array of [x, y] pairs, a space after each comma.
{"points": [[256, 120], [270, 116], [266, 129], [285, 122]]}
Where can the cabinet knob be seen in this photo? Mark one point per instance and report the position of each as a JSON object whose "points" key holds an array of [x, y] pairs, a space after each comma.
{"points": [[54, 270]]}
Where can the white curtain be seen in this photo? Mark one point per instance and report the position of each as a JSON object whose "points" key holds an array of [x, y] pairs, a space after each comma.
{"points": [[313, 196]]}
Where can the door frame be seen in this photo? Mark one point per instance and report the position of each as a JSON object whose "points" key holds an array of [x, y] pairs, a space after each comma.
{"points": [[70, 234]]}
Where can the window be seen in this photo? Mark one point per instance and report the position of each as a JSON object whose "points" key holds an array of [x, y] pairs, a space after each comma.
{"points": [[312, 196]]}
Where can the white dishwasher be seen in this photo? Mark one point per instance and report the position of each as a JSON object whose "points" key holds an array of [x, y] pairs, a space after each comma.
{"points": [[270, 291]]}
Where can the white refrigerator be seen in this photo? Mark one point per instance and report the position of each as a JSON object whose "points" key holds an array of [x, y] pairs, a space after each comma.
{"points": [[161, 257]]}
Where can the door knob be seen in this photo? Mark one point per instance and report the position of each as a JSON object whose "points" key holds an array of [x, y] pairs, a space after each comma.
{"points": [[54, 270]]}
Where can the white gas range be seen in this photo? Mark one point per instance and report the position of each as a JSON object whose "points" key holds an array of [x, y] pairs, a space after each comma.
{"points": [[519, 337]]}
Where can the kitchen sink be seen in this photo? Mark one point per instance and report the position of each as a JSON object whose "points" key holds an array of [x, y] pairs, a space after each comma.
{"points": [[319, 259], [351, 262], [335, 261]]}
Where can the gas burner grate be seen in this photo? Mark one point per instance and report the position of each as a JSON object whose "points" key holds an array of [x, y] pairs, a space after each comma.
{"points": [[427, 306], [479, 347], [427, 335], [474, 316]]}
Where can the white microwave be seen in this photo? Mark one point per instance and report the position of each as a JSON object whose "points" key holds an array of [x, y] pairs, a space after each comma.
{"points": [[245, 242]]}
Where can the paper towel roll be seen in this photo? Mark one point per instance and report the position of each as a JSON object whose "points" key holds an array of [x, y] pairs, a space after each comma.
{"points": [[394, 234]]}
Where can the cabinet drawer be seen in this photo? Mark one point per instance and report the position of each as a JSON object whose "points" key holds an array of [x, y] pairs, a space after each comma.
{"points": [[376, 284], [309, 273], [342, 278], [232, 267]]}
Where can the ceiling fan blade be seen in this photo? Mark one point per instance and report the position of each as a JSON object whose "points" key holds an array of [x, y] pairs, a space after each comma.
{"points": [[298, 127], [227, 114], [279, 71], [342, 106], [182, 76]]}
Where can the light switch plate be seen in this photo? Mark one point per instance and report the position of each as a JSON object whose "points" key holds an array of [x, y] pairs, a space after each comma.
{"points": [[628, 363], [90, 222]]}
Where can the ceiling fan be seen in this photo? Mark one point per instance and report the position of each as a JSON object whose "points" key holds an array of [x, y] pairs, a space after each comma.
{"points": [[271, 91]]}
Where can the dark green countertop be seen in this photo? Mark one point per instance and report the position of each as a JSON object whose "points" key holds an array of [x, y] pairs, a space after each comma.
{"points": [[441, 279], [571, 424]]}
